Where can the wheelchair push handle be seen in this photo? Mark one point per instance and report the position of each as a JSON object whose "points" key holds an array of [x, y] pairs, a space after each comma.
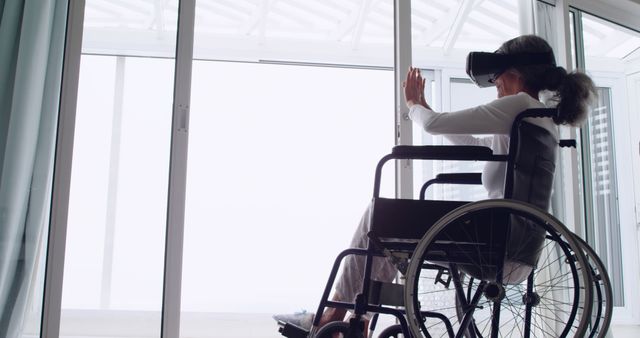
{"points": [[569, 143], [440, 152], [460, 178]]}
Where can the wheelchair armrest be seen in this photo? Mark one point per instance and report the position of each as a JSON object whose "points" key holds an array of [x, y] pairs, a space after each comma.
{"points": [[452, 178], [459, 178], [442, 152]]}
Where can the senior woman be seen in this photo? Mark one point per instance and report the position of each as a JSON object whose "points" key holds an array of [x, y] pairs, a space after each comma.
{"points": [[524, 67]]}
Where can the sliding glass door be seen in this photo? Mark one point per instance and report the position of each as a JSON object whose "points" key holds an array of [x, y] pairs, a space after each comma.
{"points": [[113, 279], [609, 53], [442, 36], [289, 114]]}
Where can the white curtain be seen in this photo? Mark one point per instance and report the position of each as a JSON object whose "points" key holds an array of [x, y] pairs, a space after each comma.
{"points": [[32, 38]]}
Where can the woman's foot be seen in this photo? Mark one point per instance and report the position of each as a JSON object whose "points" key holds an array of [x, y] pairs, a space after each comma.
{"points": [[301, 319], [332, 315]]}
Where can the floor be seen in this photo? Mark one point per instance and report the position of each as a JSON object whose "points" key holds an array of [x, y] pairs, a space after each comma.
{"points": [[124, 324]]}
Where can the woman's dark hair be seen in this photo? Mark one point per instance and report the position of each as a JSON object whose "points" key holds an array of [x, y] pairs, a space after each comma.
{"points": [[573, 91]]}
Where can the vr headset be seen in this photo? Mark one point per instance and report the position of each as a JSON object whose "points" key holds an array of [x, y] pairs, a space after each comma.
{"points": [[483, 68]]}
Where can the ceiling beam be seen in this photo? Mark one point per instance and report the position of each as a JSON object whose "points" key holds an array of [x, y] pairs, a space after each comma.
{"points": [[311, 11], [363, 12], [280, 14], [157, 20], [258, 18], [129, 6], [219, 11], [445, 23], [609, 43], [622, 12], [102, 9], [508, 21], [458, 23], [345, 25]]}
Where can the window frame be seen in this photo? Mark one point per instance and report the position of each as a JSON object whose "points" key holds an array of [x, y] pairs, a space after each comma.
{"points": [[622, 127], [403, 52]]}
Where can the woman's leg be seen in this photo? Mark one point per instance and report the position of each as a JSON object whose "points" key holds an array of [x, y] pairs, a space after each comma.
{"points": [[349, 282]]}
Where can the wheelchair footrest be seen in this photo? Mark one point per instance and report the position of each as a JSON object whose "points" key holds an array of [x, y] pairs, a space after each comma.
{"points": [[292, 331]]}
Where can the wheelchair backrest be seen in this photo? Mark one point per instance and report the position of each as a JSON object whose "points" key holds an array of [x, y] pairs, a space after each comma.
{"points": [[530, 174], [531, 166]]}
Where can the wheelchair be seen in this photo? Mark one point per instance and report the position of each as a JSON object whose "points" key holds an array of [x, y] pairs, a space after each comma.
{"points": [[491, 268]]}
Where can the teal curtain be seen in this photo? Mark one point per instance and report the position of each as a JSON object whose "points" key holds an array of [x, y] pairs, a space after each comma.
{"points": [[32, 36]]}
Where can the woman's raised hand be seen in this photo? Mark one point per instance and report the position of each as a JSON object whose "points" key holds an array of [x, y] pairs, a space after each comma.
{"points": [[414, 88]]}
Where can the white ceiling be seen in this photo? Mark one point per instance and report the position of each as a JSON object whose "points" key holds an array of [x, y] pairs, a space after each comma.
{"points": [[358, 32]]}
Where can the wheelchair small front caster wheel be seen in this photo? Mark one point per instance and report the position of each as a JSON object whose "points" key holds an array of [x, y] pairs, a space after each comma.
{"points": [[328, 330], [393, 331]]}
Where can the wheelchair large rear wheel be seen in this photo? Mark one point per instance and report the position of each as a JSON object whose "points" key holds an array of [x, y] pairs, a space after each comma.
{"points": [[602, 293], [549, 301]]}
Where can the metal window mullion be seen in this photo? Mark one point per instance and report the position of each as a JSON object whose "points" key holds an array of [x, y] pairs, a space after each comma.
{"points": [[57, 237], [525, 16], [587, 180], [402, 62], [113, 184], [588, 230], [563, 35], [614, 241], [579, 39], [171, 296], [570, 167]]}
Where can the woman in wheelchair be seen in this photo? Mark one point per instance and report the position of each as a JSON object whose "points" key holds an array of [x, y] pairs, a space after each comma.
{"points": [[523, 70]]}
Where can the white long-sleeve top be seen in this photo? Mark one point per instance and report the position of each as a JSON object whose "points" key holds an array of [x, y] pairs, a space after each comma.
{"points": [[494, 118]]}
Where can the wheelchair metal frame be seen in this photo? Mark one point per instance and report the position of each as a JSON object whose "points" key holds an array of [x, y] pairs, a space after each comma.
{"points": [[401, 252]]}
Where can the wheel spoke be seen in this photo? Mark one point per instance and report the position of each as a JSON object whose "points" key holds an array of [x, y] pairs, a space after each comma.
{"points": [[559, 292]]}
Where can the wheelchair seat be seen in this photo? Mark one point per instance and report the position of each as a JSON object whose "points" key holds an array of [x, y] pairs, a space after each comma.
{"points": [[530, 171]]}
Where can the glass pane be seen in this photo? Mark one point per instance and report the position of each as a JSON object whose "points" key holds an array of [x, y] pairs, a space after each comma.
{"points": [[281, 155], [117, 214], [610, 54], [462, 94], [443, 33], [327, 32], [603, 217]]}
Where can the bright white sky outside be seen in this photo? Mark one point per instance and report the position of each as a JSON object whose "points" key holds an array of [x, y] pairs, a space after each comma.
{"points": [[281, 164], [281, 167]]}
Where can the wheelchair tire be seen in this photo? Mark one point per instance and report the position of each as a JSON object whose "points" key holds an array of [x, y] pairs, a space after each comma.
{"points": [[328, 330], [552, 302], [393, 331], [603, 295], [595, 323]]}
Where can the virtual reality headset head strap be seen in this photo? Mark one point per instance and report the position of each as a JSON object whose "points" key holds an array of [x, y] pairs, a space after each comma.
{"points": [[527, 59]]}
